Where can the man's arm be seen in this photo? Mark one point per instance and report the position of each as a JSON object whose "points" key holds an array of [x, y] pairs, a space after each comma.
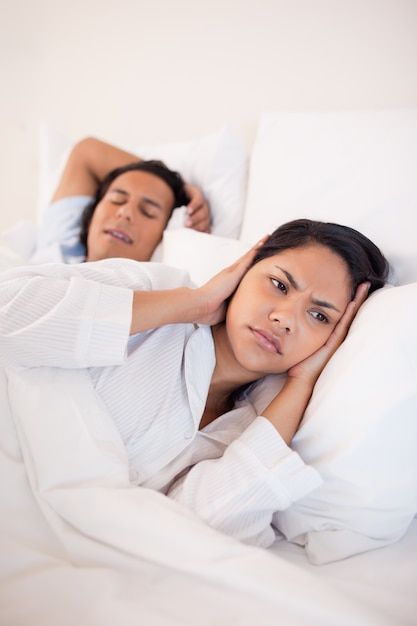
{"points": [[89, 162]]}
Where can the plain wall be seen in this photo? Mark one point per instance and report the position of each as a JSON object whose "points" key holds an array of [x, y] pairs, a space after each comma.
{"points": [[178, 69]]}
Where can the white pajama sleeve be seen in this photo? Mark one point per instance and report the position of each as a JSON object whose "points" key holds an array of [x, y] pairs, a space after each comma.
{"points": [[239, 492], [72, 324], [73, 315]]}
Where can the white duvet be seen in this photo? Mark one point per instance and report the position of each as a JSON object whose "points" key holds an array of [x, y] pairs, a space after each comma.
{"points": [[80, 545]]}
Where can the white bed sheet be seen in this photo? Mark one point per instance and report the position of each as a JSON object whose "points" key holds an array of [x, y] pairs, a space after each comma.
{"points": [[384, 580]]}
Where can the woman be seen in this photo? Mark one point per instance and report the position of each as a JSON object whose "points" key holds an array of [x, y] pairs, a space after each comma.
{"points": [[109, 203], [177, 389]]}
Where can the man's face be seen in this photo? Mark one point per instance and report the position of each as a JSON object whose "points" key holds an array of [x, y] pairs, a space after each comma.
{"points": [[130, 219]]}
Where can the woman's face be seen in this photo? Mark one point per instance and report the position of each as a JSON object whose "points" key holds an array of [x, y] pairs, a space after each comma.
{"points": [[130, 219], [285, 308]]}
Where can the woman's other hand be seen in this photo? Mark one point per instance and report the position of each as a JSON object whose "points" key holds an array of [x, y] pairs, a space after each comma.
{"points": [[286, 410], [312, 367]]}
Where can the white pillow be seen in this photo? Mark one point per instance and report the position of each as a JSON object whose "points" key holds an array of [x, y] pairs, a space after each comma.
{"points": [[216, 162], [360, 433], [201, 254], [352, 167]]}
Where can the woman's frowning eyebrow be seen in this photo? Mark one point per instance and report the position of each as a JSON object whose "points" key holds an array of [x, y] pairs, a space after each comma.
{"points": [[296, 286]]}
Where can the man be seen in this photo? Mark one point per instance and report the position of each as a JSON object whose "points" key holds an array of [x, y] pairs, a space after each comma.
{"points": [[110, 203]]}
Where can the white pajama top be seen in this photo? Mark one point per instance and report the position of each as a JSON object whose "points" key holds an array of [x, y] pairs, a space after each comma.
{"points": [[235, 473], [58, 233]]}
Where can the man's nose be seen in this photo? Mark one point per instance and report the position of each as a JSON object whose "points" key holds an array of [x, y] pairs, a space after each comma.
{"points": [[126, 211]]}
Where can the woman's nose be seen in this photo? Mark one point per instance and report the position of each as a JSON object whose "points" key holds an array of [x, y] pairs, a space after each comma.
{"points": [[283, 318]]}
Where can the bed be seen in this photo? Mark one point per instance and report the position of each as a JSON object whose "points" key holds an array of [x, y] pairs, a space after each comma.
{"points": [[80, 545]]}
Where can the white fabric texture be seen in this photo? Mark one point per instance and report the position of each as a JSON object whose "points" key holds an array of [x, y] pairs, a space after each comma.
{"points": [[79, 544], [79, 317], [216, 162], [351, 167]]}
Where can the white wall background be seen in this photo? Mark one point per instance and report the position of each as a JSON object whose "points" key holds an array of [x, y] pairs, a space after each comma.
{"points": [[178, 69]]}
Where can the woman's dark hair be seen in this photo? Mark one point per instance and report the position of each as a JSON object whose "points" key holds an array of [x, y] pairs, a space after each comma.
{"points": [[363, 258], [157, 168]]}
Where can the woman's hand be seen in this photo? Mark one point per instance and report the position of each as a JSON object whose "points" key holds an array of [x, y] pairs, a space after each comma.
{"points": [[198, 210], [214, 294], [286, 410], [203, 305], [313, 365]]}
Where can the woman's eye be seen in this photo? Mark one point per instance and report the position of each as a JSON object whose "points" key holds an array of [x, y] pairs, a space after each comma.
{"points": [[279, 285], [320, 317]]}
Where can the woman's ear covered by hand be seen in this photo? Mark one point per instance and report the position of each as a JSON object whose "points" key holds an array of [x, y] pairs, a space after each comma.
{"points": [[203, 305], [313, 365], [215, 293], [286, 410]]}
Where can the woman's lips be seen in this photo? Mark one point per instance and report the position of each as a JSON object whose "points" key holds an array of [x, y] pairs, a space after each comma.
{"points": [[269, 341]]}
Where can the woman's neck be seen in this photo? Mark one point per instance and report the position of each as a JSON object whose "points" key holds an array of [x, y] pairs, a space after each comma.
{"points": [[227, 378], [228, 374], [216, 405]]}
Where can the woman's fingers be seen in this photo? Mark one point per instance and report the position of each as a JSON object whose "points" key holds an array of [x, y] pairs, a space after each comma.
{"points": [[341, 329], [313, 365], [220, 287], [247, 258]]}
